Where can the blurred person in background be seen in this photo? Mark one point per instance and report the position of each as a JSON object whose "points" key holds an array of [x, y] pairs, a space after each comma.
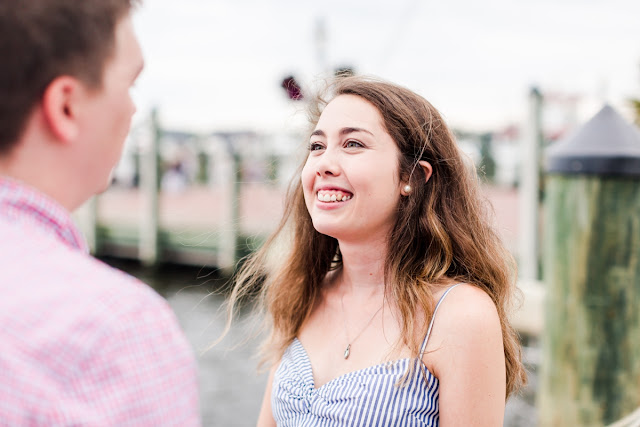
{"points": [[389, 304], [80, 342]]}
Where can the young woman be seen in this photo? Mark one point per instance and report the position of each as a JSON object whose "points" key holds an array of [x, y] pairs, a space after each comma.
{"points": [[389, 304]]}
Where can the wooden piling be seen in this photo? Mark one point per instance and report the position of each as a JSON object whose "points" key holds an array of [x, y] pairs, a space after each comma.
{"points": [[590, 373]]}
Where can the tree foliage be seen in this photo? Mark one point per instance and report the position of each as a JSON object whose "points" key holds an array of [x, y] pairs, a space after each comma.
{"points": [[635, 104]]}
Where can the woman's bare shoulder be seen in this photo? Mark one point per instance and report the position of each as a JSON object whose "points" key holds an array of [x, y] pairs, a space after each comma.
{"points": [[466, 354], [467, 320], [465, 302]]}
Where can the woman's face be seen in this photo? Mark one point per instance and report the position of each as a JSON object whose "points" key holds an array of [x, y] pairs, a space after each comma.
{"points": [[350, 180]]}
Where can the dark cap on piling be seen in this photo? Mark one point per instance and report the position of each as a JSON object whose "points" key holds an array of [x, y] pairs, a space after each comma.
{"points": [[605, 145]]}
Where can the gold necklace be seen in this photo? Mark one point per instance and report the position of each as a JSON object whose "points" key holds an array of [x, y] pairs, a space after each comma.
{"points": [[347, 351]]}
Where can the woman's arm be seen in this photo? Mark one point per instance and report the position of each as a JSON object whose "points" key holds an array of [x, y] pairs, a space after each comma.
{"points": [[265, 419], [466, 354]]}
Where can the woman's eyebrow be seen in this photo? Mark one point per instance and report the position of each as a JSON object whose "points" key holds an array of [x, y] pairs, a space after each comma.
{"points": [[343, 131], [348, 130]]}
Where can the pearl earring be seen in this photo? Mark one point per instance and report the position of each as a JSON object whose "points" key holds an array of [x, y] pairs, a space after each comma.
{"points": [[407, 189]]}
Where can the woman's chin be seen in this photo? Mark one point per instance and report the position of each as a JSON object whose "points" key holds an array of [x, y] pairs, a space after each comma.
{"points": [[331, 230]]}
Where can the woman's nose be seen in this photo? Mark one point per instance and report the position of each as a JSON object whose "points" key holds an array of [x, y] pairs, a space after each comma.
{"points": [[328, 164]]}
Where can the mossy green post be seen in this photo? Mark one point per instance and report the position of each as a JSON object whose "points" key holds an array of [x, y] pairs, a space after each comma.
{"points": [[590, 373]]}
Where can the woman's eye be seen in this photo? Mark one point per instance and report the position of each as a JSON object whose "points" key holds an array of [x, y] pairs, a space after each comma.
{"points": [[353, 144], [314, 146]]}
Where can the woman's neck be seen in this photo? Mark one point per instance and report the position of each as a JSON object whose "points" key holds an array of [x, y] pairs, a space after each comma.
{"points": [[362, 272]]}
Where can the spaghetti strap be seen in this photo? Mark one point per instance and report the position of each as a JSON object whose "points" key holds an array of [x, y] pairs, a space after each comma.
{"points": [[433, 317]]}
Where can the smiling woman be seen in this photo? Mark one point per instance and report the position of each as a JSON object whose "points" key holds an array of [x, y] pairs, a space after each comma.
{"points": [[384, 223], [351, 187]]}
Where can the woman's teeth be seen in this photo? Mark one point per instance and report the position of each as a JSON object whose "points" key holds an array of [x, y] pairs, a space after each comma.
{"points": [[333, 197]]}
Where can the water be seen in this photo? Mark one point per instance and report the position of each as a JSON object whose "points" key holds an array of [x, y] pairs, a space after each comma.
{"points": [[231, 388]]}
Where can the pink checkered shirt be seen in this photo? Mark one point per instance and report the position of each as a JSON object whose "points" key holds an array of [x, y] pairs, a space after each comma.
{"points": [[81, 343]]}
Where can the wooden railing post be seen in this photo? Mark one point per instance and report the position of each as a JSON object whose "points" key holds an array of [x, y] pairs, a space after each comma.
{"points": [[149, 186], [529, 240], [87, 218], [227, 250], [590, 373]]}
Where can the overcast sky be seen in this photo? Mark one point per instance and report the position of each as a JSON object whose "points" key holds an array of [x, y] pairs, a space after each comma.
{"points": [[217, 64]]}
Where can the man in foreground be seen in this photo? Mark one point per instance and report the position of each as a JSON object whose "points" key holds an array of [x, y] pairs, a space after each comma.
{"points": [[80, 342]]}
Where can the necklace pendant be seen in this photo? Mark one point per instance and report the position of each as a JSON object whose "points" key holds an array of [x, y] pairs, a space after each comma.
{"points": [[347, 351]]}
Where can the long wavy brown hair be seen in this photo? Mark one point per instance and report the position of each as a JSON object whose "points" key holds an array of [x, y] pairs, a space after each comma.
{"points": [[442, 232]]}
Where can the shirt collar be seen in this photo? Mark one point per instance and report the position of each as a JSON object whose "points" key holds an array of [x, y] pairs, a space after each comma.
{"points": [[21, 203]]}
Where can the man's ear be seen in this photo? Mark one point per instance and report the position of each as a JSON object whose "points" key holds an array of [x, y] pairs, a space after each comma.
{"points": [[428, 170], [61, 104]]}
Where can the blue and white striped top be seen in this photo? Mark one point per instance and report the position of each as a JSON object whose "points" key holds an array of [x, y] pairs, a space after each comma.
{"points": [[367, 397]]}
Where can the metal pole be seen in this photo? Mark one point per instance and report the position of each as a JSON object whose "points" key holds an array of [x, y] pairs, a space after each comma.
{"points": [[320, 37]]}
